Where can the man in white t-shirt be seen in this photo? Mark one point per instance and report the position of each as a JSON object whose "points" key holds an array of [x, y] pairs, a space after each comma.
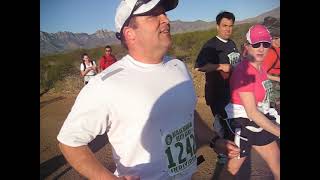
{"points": [[145, 102]]}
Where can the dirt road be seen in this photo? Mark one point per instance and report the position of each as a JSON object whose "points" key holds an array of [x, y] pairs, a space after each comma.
{"points": [[54, 109]]}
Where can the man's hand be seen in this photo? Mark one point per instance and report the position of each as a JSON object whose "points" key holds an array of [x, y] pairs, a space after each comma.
{"points": [[227, 147], [129, 178], [224, 75], [205, 68], [215, 67], [224, 67]]}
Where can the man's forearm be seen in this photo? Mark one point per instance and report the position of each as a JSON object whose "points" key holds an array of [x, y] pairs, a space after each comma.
{"points": [[209, 67], [83, 160]]}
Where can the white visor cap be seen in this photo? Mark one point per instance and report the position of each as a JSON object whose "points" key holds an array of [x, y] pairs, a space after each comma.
{"points": [[125, 8]]}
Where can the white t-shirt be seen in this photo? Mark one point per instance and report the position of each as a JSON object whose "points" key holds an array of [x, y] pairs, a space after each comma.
{"points": [[148, 113], [91, 73]]}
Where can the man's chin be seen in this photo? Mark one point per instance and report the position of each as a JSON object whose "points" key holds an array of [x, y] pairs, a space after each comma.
{"points": [[168, 46], [259, 59]]}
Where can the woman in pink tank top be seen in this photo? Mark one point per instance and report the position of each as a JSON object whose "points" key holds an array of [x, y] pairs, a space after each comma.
{"points": [[249, 114]]}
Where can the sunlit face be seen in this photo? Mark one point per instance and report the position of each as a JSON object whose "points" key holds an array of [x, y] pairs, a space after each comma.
{"points": [[108, 51], [258, 51], [225, 28], [276, 41], [153, 30], [86, 58]]}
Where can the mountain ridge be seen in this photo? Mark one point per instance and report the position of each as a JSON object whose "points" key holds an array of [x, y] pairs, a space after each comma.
{"points": [[62, 41]]}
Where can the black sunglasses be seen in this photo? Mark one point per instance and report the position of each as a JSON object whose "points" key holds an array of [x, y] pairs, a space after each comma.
{"points": [[264, 44], [136, 6]]}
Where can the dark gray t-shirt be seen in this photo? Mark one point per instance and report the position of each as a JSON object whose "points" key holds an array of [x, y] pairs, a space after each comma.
{"points": [[216, 51]]}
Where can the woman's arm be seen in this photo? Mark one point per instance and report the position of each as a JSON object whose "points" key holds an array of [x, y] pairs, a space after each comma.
{"points": [[95, 68], [273, 78], [254, 114], [83, 73]]}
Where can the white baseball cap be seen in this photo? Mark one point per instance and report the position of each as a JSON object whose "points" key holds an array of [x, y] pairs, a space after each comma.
{"points": [[127, 8]]}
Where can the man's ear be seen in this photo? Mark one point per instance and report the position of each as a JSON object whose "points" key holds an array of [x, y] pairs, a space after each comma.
{"points": [[128, 33]]}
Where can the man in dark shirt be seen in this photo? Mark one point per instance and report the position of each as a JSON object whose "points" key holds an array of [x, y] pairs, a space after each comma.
{"points": [[216, 59]]}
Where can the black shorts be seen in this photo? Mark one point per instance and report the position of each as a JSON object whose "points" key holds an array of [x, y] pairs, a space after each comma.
{"points": [[254, 138]]}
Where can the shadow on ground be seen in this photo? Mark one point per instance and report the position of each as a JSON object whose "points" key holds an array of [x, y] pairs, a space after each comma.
{"points": [[53, 164], [44, 103]]}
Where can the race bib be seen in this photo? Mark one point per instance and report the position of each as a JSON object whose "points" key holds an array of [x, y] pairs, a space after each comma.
{"points": [[267, 85], [234, 58], [265, 104], [179, 149]]}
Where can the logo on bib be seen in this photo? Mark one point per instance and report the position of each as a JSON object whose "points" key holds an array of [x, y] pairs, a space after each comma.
{"points": [[234, 58], [180, 148]]}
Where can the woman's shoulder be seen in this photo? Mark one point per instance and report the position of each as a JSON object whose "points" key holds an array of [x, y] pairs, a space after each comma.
{"points": [[242, 65], [243, 69]]}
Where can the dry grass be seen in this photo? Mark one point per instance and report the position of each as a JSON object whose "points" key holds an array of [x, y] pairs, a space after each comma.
{"points": [[69, 85], [73, 84]]}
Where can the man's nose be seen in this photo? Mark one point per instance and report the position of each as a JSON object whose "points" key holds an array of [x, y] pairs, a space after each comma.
{"points": [[164, 18]]}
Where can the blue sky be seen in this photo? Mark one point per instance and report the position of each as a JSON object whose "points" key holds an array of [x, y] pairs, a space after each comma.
{"points": [[90, 15]]}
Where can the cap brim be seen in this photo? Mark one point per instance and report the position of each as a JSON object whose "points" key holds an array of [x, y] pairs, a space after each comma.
{"points": [[145, 8], [166, 4], [169, 4]]}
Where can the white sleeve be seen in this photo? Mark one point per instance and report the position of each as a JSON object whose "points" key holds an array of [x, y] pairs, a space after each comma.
{"points": [[88, 118], [183, 67], [81, 67]]}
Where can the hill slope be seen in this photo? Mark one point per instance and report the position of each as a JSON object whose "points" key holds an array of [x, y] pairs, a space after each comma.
{"points": [[51, 43]]}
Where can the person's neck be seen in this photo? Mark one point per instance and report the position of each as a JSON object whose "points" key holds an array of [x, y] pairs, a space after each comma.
{"points": [[145, 57], [257, 65], [221, 39]]}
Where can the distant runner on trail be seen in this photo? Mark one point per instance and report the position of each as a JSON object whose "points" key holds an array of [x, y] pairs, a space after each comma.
{"points": [[107, 59], [251, 121], [216, 59], [144, 102], [88, 68]]}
